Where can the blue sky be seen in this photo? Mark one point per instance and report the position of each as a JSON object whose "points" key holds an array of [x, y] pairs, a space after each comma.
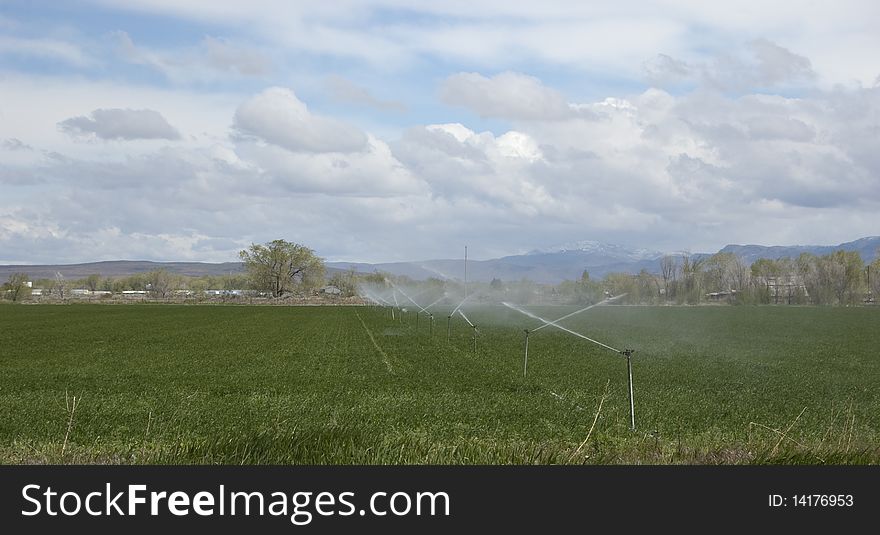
{"points": [[391, 130]]}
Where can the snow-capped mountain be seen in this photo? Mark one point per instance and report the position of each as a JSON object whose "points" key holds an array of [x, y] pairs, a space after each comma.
{"points": [[608, 250]]}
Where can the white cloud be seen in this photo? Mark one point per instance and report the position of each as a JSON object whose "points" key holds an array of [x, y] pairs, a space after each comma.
{"points": [[46, 48], [212, 58], [507, 95], [610, 39], [278, 117], [346, 91], [370, 172], [119, 124]]}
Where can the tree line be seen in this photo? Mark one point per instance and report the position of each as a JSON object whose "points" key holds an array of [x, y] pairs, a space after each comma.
{"points": [[839, 278], [280, 268]]}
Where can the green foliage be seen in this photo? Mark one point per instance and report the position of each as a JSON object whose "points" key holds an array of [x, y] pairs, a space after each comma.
{"points": [[346, 281], [280, 267], [342, 385]]}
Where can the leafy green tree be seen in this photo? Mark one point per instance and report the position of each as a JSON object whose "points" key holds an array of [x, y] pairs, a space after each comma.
{"points": [[279, 267]]}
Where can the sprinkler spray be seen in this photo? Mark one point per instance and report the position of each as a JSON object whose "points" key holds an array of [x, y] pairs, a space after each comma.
{"points": [[627, 353]]}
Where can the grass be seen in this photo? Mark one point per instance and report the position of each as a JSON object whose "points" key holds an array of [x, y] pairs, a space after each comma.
{"points": [[338, 385]]}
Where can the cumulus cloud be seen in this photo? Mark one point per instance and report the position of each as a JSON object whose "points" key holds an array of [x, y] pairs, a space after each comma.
{"points": [[370, 172], [507, 95], [120, 124], [278, 117], [670, 170]]}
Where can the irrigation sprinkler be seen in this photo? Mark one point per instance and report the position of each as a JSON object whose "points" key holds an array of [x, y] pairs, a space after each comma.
{"points": [[627, 353], [432, 326], [474, 327], [465, 271], [629, 375], [448, 321], [526, 354], [407, 296]]}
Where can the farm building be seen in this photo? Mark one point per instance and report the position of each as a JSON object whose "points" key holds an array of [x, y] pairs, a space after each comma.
{"points": [[330, 290]]}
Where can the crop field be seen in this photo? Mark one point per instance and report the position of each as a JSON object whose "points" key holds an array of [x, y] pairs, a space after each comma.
{"points": [[350, 385]]}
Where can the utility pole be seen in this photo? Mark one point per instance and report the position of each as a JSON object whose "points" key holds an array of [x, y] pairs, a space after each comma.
{"points": [[465, 271]]}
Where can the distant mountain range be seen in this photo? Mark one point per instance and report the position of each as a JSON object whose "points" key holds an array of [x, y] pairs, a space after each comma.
{"points": [[550, 265], [121, 268], [569, 261]]}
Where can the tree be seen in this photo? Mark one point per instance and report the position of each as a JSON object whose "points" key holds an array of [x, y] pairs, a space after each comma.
{"points": [[873, 275], [765, 273], [346, 281], [691, 273], [16, 288], [160, 282], [719, 269], [280, 266], [92, 282], [847, 268], [667, 271], [59, 285]]}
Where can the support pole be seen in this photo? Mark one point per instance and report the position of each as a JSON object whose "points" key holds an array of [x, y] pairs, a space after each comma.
{"points": [[417, 320], [526, 354], [629, 373], [432, 326], [448, 320]]}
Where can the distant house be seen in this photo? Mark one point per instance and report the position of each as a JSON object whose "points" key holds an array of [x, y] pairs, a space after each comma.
{"points": [[221, 293], [330, 290], [38, 291]]}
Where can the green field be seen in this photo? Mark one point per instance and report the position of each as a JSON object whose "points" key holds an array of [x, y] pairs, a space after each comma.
{"points": [[340, 385]]}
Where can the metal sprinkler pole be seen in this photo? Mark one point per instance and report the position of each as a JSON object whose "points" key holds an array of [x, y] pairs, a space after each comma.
{"points": [[448, 320], [629, 374], [526, 354], [432, 326]]}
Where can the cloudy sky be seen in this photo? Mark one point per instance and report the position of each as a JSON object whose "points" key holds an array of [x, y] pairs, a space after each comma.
{"points": [[393, 130]]}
